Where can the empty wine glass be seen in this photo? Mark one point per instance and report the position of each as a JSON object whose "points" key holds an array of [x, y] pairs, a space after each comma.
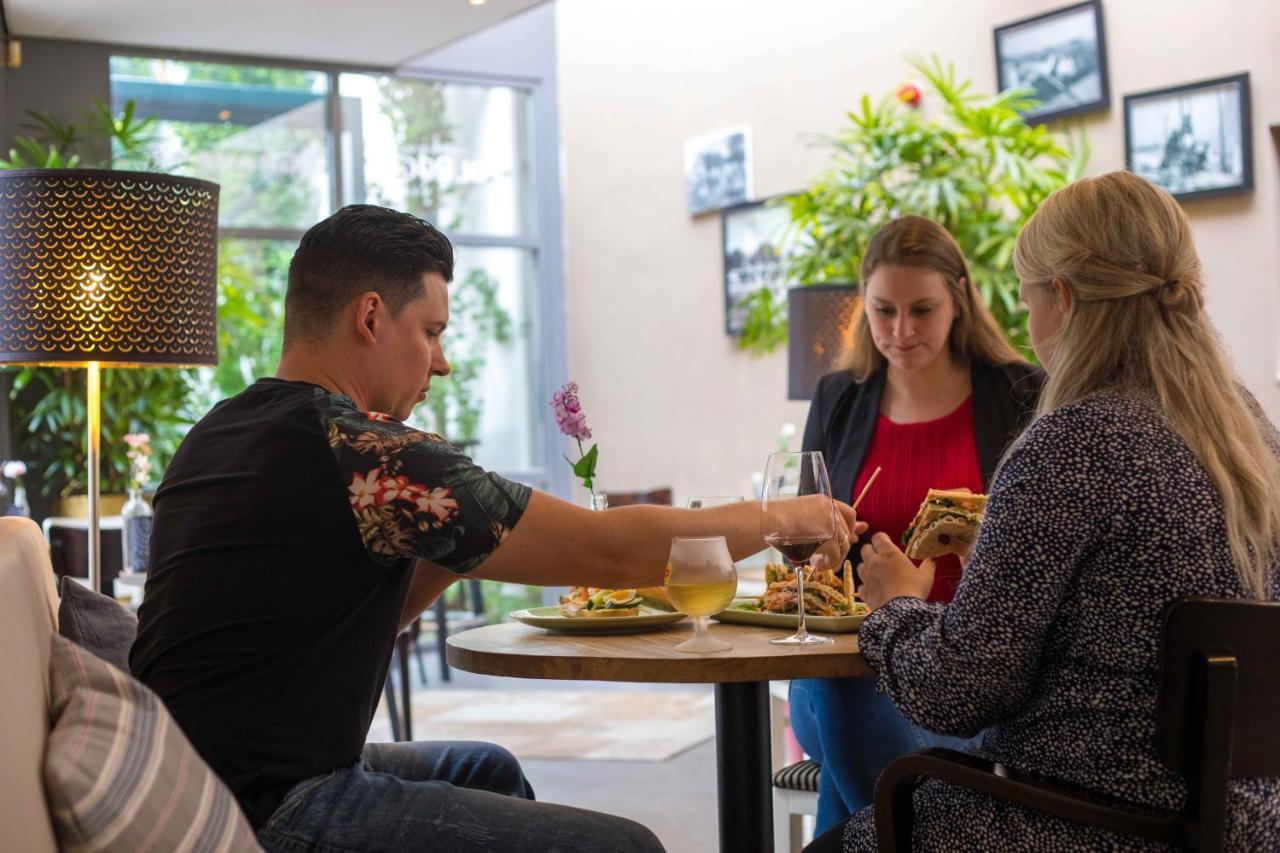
{"points": [[794, 529], [701, 581]]}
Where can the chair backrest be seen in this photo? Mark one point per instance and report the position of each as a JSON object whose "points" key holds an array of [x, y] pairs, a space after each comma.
{"points": [[69, 550], [657, 497], [1203, 634], [28, 616]]}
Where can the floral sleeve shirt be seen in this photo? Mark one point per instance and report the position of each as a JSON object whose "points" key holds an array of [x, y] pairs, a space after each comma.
{"points": [[415, 495]]}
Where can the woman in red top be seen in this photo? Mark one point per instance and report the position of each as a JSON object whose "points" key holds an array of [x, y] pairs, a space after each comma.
{"points": [[932, 394]]}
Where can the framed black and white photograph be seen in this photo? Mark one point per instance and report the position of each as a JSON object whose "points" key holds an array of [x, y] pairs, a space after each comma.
{"points": [[1061, 55], [717, 170], [757, 248], [1193, 140]]}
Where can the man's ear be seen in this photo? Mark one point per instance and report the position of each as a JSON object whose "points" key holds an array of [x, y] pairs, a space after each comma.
{"points": [[367, 317]]}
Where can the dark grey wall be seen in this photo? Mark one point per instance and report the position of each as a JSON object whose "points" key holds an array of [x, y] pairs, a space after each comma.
{"points": [[57, 77], [60, 78]]}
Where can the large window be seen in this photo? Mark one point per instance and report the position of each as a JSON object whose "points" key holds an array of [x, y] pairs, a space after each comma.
{"points": [[290, 145]]}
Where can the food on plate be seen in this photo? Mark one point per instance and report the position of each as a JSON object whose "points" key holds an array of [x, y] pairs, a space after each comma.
{"points": [[587, 601], [825, 592], [655, 596], [946, 523]]}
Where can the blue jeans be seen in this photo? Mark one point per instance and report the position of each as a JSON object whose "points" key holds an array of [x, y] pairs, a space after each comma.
{"points": [[420, 796], [853, 732]]}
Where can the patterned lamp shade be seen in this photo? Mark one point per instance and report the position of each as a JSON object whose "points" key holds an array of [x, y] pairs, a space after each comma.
{"points": [[106, 266], [820, 319]]}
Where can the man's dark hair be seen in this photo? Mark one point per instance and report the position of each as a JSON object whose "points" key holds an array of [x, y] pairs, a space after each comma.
{"points": [[360, 248]]}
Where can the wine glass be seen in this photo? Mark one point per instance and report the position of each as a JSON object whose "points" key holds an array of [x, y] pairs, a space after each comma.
{"points": [[704, 503], [796, 530], [701, 581]]}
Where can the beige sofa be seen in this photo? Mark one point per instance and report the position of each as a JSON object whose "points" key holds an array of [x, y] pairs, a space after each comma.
{"points": [[28, 616]]}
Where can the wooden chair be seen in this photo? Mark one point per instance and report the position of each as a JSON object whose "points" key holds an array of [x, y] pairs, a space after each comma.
{"points": [[657, 497], [399, 702], [1220, 686], [401, 718]]}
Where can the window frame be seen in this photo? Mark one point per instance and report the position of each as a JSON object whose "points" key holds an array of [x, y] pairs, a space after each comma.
{"points": [[543, 240]]}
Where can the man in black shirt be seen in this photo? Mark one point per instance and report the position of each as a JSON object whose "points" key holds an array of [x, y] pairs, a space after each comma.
{"points": [[301, 525]]}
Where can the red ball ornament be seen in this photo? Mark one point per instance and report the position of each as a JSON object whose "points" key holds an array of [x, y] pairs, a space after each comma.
{"points": [[909, 94]]}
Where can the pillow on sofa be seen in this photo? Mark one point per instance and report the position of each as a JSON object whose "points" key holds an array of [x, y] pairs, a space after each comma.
{"points": [[119, 773], [96, 622]]}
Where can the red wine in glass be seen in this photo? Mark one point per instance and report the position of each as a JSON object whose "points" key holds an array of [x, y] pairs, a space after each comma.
{"points": [[797, 551], [797, 516]]}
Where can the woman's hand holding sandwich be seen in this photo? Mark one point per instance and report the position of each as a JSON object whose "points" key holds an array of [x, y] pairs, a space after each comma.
{"points": [[887, 573]]}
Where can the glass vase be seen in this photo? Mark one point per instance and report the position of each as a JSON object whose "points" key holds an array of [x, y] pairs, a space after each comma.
{"points": [[20, 505], [599, 500], [135, 532]]}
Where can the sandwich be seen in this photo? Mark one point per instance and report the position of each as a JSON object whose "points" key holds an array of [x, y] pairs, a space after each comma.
{"points": [[595, 603], [946, 523]]}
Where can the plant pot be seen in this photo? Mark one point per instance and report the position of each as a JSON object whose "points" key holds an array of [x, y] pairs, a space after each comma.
{"points": [[77, 506]]}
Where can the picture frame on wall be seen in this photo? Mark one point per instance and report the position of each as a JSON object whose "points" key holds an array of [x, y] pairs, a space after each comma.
{"points": [[757, 246], [1195, 140], [1062, 56], [717, 170]]}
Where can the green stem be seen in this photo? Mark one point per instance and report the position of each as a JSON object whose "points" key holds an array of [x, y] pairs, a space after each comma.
{"points": [[591, 488]]}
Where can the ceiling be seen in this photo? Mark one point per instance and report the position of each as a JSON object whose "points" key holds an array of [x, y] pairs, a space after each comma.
{"points": [[381, 33]]}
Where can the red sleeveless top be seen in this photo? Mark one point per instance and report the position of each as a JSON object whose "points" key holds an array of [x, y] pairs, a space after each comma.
{"points": [[938, 454]]}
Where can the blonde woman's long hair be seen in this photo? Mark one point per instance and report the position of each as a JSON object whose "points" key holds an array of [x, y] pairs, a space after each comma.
{"points": [[1137, 326], [914, 241]]}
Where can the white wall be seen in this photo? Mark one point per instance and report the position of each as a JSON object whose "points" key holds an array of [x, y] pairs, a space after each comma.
{"points": [[670, 398]]}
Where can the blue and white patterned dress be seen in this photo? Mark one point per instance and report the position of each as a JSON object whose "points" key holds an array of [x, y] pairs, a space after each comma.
{"points": [[1100, 517]]}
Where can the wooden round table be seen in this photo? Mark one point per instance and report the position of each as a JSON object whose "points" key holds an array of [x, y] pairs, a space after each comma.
{"points": [[741, 677]]}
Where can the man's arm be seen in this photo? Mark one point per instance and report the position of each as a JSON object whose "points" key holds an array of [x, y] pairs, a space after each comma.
{"points": [[559, 544], [429, 583]]}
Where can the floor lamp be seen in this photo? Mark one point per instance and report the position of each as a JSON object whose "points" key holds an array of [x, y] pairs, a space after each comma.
{"points": [[104, 268]]}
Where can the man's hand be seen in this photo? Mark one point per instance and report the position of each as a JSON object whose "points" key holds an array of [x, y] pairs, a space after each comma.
{"points": [[834, 551], [887, 573]]}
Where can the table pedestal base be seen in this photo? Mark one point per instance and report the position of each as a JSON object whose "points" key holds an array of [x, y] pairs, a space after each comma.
{"points": [[743, 767]]}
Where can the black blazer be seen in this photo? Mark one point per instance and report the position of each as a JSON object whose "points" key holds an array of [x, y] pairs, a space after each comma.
{"points": [[842, 418]]}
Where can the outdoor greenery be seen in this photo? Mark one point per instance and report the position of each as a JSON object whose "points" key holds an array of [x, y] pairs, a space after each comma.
{"points": [[416, 111], [49, 404], [977, 168]]}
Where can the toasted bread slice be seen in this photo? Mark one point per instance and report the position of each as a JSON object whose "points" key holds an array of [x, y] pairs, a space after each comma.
{"points": [[945, 533], [607, 612], [964, 500], [939, 502]]}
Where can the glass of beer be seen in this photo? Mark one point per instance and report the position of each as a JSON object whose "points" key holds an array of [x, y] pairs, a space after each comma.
{"points": [[701, 581]]}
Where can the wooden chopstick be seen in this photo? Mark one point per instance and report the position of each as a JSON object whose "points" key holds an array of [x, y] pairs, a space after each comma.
{"points": [[863, 493]]}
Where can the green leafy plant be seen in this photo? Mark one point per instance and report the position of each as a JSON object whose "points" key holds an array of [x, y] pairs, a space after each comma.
{"points": [[978, 169], [53, 417], [56, 144], [49, 403]]}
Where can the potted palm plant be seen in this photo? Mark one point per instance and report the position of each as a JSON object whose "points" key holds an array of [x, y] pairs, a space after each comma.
{"points": [[976, 167]]}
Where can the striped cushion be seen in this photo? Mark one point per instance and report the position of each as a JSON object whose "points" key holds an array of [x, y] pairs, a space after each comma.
{"points": [[801, 776], [119, 773]]}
